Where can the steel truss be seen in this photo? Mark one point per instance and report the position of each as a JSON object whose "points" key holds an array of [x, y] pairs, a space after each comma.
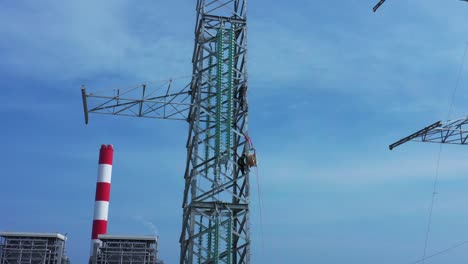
{"points": [[450, 132], [151, 100], [215, 225]]}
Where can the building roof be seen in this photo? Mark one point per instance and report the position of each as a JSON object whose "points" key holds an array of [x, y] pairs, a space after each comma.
{"points": [[39, 235], [118, 237]]}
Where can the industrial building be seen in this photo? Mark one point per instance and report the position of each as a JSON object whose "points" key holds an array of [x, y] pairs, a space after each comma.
{"points": [[32, 248], [113, 249]]}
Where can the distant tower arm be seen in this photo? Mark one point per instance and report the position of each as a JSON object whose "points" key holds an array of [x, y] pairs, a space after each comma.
{"points": [[449, 132], [378, 5], [383, 1]]}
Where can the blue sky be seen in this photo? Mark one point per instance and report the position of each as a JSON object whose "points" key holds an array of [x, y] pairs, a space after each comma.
{"points": [[331, 85]]}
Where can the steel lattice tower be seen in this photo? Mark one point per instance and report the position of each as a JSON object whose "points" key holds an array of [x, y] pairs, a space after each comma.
{"points": [[215, 225], [216, 198]]}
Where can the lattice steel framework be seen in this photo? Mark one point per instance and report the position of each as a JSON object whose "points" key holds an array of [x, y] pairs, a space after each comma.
{"points": [[377, 6], [215, 225], [449, 132], [126, 250], [32, 248]]}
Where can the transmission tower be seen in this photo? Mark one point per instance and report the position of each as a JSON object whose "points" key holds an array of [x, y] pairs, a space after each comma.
{"points": [[215, 225]]}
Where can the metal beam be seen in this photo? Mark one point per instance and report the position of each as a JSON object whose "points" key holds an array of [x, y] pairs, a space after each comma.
{"points": [[378, 5], [415, 135], [85, 103]]}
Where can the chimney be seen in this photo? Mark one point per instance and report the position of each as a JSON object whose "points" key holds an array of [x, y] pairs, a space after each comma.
{"points": [[101, 204]]}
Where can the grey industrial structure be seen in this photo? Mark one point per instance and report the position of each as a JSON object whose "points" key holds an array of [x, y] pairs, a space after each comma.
{"points": [[216, 198], [125, 250], [32, 248]]}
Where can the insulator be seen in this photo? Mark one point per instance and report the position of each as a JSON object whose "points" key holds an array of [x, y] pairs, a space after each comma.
{"points": [[216, 242], [229, 240], [230, 99], [219, 91]]}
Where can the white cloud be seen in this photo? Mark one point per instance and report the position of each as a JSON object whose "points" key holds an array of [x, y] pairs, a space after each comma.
{"points": [[78, 39]]}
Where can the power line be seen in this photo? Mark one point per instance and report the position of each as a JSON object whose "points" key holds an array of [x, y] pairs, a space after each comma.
{"points": [[452, 100], [431, 209], [436, 178], [440, 252]]}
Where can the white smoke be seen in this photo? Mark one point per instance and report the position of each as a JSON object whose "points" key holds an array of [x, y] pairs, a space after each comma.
{"points": [[149, 225]]}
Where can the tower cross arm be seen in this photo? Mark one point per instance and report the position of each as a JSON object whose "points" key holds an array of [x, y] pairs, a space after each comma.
{"points": [[449, 132], [160, 101], [378, 5]]}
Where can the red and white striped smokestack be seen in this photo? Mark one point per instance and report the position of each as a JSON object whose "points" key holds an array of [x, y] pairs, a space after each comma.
{"points": [[103, 185]]}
